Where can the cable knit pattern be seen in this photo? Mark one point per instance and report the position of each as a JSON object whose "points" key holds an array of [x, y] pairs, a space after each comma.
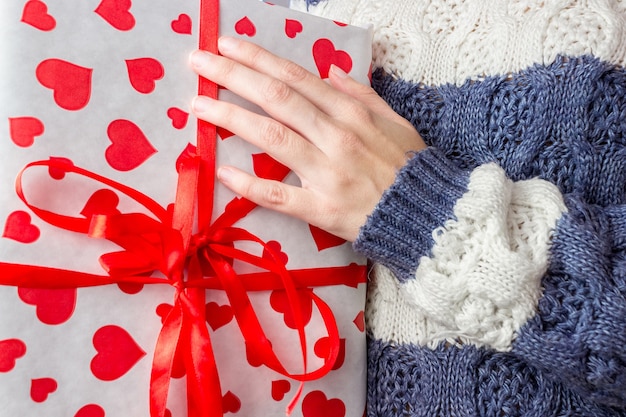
{"points": [[438, 42], [465, 381], [564, 122], [499, 253], [581, 317], [482, 281]]}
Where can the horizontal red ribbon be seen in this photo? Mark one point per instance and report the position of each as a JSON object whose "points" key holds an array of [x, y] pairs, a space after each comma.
{"points": [[154, 245]]}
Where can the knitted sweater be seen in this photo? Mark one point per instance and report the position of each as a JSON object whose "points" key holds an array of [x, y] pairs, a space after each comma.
{"points": [[499, 253]]}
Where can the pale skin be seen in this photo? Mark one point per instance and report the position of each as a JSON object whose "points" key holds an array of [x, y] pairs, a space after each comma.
{"points": [[340, 138]]}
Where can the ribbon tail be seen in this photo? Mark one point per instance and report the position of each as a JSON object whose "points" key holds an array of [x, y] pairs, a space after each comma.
{"points": [[164, 352], [203, 385], [204, 392]]}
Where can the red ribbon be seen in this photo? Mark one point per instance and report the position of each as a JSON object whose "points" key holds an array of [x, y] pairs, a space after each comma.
{"points": [[192, 262]]}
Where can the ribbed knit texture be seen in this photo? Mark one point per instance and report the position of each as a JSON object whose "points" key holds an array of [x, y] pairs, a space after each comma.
{"points": [[428, 187], [498, 285]]}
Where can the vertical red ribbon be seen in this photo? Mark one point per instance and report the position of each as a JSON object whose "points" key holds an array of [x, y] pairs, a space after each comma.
{"points": [[203, 387]]}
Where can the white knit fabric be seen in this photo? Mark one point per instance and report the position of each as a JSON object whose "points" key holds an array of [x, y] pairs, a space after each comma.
{"points": [[482, 280], [453, 40]]}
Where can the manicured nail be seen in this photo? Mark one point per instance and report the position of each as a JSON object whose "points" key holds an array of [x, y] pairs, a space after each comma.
{"points": [[337, 71], [225, 174], [199, 58], [226, 43], [200, 104]]}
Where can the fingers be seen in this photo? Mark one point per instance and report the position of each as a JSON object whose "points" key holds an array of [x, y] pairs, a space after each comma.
{"points": [[299, 79], [274, 195], [365, 94], [272, 137], [271, 94], [281, 86]]}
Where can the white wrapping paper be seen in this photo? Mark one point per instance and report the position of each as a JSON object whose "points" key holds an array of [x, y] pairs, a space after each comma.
{"points": [[106, 85]]}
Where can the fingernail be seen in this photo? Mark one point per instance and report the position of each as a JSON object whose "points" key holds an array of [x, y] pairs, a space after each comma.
{"points": [[227, 43], [199, 58], [337, 71], [200, 104], [224, 174]]}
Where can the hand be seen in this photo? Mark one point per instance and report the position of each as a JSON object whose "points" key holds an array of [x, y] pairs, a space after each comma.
{"points": [[341, 139]]}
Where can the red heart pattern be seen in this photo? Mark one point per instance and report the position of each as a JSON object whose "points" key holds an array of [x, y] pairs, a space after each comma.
{"points": [[292, 28], [325, 54], [185, 156], [90, 410], [36, 14], [224, 133], [130, 288], [322, 348], [182, 25], [163, 310], [117, 353], [315, 404], [244, 26], [230, 403], [10, 351], [179, 117], [276, 249], [103, 201], [52, 306], [280, 303], [40, 388], [130, 147], [218, 315], [263, 164], [56, 172], [253, 355], [143, 73], [18, 227], [359, 321], [117, 13], [323, 239], [280, 388], [70, 83], [23, 130]]}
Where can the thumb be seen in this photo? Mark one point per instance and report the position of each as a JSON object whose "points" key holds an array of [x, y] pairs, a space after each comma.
{"points": [[341, 81]]}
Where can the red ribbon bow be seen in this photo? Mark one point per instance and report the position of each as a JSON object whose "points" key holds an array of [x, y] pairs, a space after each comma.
{"points": [[192, 262]]}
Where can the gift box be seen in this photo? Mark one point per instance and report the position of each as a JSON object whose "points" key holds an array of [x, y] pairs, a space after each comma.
{"points": [[132, 283]]}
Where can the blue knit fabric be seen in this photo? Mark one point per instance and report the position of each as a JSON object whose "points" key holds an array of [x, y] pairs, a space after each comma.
{"points": [[579, 333], [426, 188], [566, 123], [467, 381]]}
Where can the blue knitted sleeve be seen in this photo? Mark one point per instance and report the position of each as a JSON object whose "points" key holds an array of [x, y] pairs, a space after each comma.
{"points": [[510, 266], [578, 335]]}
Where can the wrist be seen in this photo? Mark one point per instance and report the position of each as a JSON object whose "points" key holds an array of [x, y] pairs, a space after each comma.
{"points": [[399, 230]]}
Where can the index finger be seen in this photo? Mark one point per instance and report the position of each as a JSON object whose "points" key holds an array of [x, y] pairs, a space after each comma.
{"points": [[309, 85]]}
